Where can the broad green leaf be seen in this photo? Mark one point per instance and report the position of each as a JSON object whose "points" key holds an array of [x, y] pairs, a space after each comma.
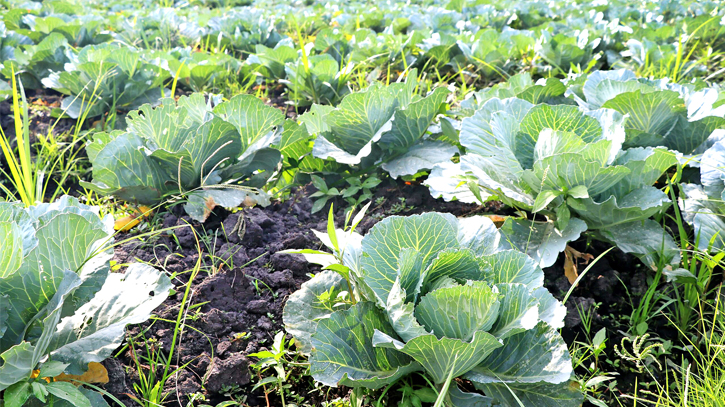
{"points": [[540, 394], [305, 307], [569, 170], [536, 355], [412, 121], [645, 239], [11, 249], [493, 131], [68, 235], [315, 120], [14, 212], [251, 116], [4, 309], [181, 146], [552, 142], [52, 368], [139, 179], [601, 86], [646, 166], [401, 314], [423, 156], [519, 311], [98, 327], [541, 240], [362, 117], [541, 93], [444, 181], [295, 141], [706, 215], [440, 356], [17, 364], [17, 394], [551, 310], [712, 171], [410, 273], [95, 398], [559, 118], [651, 115], [459, 265], [544, 199], [639, 204], [343, 352], [500, 179], [52, 314], [68, 392], [459, 398], [480, 235], [687, 136]]}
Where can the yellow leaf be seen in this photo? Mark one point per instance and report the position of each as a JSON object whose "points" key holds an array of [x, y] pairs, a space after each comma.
{"points": [[145, 211], [96, 373], [126, 223]]}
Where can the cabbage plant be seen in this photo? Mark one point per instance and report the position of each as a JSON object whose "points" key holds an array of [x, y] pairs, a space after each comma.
{"points": [[61, 308], [191, 149], [383, 125], [703, 206], [443, 297], [568, 165], [103, 78], [660, 113]]}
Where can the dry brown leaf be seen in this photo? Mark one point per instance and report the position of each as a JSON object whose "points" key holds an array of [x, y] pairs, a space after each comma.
{"points": [[570, 270], [571, 263], [210, 205], [96, 373]]}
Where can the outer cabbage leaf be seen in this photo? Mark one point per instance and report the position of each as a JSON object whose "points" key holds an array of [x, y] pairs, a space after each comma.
{"points": [[540, 394], [706, 215], [703, 206], [343, 351], [535, 355], [305, 307], [541, 240], [97, 328], [441, 356], [560, 162], [646, 240]]}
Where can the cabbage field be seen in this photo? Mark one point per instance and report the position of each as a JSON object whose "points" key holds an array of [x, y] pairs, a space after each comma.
{"points": [[447, 203]]}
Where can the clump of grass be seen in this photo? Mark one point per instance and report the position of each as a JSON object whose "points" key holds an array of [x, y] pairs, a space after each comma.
{"points": [[699, 378]]}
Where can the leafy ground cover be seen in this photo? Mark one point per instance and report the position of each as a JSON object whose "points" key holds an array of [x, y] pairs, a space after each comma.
{"points": [[430, 203]]}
